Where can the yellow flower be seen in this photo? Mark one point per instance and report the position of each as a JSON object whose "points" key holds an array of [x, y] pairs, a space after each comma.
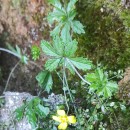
{"points": [[64, 119]]}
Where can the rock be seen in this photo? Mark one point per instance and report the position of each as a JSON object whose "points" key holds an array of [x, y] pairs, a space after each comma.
{"points": [[124, 86], [13, 100]]}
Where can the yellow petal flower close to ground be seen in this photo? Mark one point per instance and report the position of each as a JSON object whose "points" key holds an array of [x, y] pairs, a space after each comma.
{"points": [[63, 119]]}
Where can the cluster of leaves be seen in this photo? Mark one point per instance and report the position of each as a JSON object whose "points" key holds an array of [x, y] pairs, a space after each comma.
{"points": [[61, 53], [35, 51], [65, 18], [34, 110], [101, 108], [18, 53], [100, 84]]}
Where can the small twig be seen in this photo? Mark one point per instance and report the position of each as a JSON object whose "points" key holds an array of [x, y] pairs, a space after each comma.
{"points": [[10, 75], [77, 72]]}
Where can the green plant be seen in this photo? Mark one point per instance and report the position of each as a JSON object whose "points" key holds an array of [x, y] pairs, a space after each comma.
{"points": [[98, 90], [34, 110]]}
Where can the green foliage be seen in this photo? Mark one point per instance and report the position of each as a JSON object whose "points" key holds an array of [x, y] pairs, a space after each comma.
{"points": [[65, 18], [100, 84], [17, 52], [97, 91], [44, 79], [61, 53], [33, 110], [35, 52]]}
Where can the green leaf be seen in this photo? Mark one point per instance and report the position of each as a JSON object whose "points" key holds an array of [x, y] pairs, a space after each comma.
{"points": [[54, 2], [58, 13], [31, 118], [65, 20], [58, 45], [100, 84], [44, 79], [19, 113], [70, 48], [48, 49], [81, 63], [43, 109], [71, 5], [18, 50], [56, 30], [11, 48], [52, 64], [77, 27], [24, 59], [72, 15], [65, 33]]}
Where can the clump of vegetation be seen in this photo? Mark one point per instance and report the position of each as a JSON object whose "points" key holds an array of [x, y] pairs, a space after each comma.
{"points": [[107, 36], [96, 91]]}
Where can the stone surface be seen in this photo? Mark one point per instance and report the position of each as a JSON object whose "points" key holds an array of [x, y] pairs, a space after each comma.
{"points": [[124, 86], [13, 100]]}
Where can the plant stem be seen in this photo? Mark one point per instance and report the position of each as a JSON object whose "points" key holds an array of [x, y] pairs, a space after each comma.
{"points": [[77, 72], [10, 76], [67, 86], [63, 90], [10, 52], [63, 81]]}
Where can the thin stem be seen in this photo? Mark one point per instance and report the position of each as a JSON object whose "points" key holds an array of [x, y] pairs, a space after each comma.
{"points": [[77, 72], [63, 81], [10, 76], [10, 52], [63, 90], [67, 86]]}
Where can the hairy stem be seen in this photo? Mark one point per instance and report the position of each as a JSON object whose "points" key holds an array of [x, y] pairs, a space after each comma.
{"points": [[10, 52], [77, 72]]}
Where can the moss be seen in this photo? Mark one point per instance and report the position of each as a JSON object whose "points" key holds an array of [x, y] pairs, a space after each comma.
{"points": [[107, 37]]}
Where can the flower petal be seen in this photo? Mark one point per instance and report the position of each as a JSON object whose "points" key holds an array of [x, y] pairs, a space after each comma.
{"points": [[61, 112], [72, 119], [63, 126], [56, 118]]}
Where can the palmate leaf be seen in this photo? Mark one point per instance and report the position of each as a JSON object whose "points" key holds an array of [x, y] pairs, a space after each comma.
{"points": [[52, 64], [58, 13], [71, 5], [44, 79], [65, 20], [59, 48], [65, 32], [81, 63], [100, 84], [58, 45], [71, 48], [56, 30], [77, 27], [48, 49]]}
